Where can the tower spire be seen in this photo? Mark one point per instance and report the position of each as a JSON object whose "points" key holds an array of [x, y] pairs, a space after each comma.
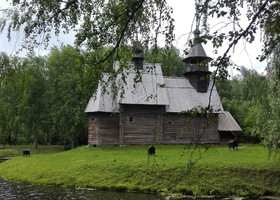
{"points": [[138, 55], [197, 67], [196, 32]]}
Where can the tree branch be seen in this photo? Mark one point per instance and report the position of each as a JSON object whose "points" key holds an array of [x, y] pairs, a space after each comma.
{"points": [[122, 33], [234, 42]]}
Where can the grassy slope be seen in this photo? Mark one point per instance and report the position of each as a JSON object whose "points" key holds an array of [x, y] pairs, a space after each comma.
{"points": [[219, 171]]}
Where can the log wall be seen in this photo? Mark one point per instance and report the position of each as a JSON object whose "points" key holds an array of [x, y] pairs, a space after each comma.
{"points": [[141, 124], [103, 129], [182, 129], [144, 124]]}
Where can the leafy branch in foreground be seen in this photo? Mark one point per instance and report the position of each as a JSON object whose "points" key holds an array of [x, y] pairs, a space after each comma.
{"points": [[262, 16], [97, 23]]}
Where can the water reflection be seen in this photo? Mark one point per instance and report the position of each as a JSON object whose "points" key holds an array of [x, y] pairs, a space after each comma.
{"points": [[14, 191]]}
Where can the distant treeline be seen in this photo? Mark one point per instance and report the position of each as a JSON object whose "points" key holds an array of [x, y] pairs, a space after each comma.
{"points": [[254, 101], [42, 99]]}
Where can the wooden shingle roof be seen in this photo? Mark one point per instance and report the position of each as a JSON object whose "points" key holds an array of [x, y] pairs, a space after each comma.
{"points": [[175, 93], [228, 123], [183, 97]]}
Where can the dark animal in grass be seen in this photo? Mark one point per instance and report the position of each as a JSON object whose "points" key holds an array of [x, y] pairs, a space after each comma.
{"points": [[26, 152], [151, 150], [233, 144]]}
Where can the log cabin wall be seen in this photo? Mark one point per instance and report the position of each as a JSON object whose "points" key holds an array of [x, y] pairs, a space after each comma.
{"points": [[146, 124], [141, 124], [93, 129], [183, 129], [103, 129], [212, 132]]}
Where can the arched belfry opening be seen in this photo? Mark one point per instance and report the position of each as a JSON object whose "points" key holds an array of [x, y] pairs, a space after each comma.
{"points": [[197, 70]]}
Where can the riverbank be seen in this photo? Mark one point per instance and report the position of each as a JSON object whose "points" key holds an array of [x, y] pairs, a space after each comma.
{"points": [[216, 170]]}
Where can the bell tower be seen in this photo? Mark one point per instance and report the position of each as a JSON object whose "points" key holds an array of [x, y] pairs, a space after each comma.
{"points": [[138, 56], [197, 67]]}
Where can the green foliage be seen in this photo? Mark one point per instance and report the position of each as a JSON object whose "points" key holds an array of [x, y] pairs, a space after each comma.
{"points": [[253, 100], [98, 23], [66, 75], [247, 171], [262, 16], [247, 86], [245, 96], [12, 93], [33, 105], [270, 128], [43, 98]]}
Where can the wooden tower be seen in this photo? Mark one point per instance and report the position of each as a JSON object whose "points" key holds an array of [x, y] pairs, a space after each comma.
{"points": [[197, 67]]}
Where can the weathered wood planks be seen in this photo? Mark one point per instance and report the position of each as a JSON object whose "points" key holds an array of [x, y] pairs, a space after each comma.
{"points": [[149, 124]]}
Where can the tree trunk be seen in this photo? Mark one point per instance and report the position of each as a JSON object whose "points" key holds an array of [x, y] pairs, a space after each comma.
{"points": [[36, 142], [15, 140], [9, 139]]}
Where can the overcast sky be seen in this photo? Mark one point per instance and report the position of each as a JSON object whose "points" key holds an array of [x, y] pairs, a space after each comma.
{"points": [[184, 10]]}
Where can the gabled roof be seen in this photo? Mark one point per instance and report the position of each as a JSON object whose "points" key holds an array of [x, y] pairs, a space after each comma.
{"points": [[102, 100], [183, 97], [149, 91], [228, 123], [176, 94]]}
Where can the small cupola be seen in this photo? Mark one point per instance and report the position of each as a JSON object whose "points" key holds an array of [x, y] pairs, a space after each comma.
{"points": [[197, 70], [138, 56]]}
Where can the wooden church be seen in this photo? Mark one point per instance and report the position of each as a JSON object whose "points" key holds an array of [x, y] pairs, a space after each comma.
{"points": [[157, 110]]}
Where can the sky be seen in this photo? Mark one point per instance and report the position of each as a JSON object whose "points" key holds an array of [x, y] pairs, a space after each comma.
{"points": [[184, 11]]}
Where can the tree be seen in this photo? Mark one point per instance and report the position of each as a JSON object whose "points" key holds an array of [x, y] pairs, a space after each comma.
{"points": [[270, 129], [114, 23], [67, 75], [98, 23], [42, 99], [262, 16], [32, 108], [12, 93], [4, 64], [22, 100], [245, 96]]}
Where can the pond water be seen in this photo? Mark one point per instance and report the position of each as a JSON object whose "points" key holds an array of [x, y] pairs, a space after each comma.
{"points": [[14, 191]]}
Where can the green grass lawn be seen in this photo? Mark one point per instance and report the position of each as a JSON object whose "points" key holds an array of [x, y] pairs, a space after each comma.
{"points": [[215, 170]]}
